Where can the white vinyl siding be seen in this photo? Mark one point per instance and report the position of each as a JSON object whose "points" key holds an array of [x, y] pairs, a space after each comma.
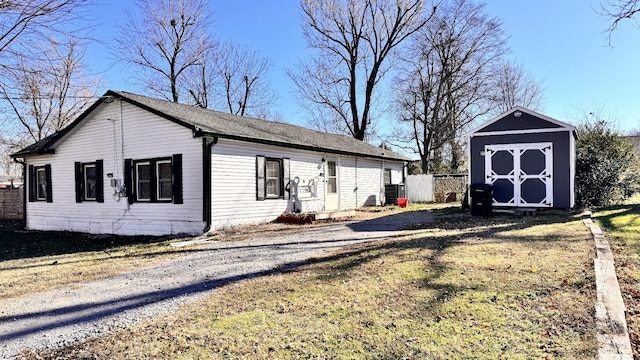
{"points": [[370, 182], [348, 182], [99, 137], [233, 182], [233, 178]]}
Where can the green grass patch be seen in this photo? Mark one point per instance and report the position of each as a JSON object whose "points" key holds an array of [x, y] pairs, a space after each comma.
{"points": [[458, 288]]}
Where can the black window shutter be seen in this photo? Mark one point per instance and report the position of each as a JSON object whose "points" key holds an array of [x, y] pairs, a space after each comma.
{"points": [[32, 184], [154, 180], [260, 179], [79, 181], [128, 179], [47, 173], [176, 163], [285, 178], [99, 182]]}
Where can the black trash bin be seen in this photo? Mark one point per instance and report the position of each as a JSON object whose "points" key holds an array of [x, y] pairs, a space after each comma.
{"points": [[481, 199]]}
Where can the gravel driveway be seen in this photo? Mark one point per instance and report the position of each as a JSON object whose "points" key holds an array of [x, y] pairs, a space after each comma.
{"points": [[84, 310]]}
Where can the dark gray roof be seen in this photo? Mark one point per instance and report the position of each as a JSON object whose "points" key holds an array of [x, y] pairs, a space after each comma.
{"points": [[224, 125]]}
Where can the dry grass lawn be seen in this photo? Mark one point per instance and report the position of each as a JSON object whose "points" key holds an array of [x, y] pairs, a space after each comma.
{"points": [[462, 287], [32, 261]]}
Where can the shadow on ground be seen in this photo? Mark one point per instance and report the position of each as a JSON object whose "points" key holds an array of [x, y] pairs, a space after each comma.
{"points": [[340, 262], [16, 243]]}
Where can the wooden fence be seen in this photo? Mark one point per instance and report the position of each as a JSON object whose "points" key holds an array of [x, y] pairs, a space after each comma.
{"points": [[11, 204]]}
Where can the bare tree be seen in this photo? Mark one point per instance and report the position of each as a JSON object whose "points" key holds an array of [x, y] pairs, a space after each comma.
{"points": [[170, 37], [7, 165], [446, 79], [513, 86], [234, 79], [28, 22], [43, 94], [353, 40], [618, 10]]}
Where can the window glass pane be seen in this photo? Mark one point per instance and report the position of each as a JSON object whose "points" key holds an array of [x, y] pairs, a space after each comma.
{"points": [[272, 187], [331, 168], [387, 177], [332, 178], [165, 191], [332, 186], [144, 191], [90, 182], [143, 179], [272, 169], [41, 184], [164, 170], [144, 171]]}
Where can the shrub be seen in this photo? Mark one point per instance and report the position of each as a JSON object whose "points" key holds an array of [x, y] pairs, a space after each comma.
{"points": [[607, 165]]}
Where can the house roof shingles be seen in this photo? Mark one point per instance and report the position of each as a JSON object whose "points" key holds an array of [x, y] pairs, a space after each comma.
{"points": [[224, 125]]}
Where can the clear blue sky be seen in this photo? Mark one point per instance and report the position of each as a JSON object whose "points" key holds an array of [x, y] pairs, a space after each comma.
{"points": [[561, 43]]}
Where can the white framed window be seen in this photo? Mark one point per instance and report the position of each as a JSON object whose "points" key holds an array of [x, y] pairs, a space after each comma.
{"points": [[273, 178], [41, 184], [90, 181], [387, 176], [155, 180], [164, 180], [332, 177], [39, 180], [143, 181]]}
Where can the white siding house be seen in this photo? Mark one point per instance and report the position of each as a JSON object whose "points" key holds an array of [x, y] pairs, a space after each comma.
{"points": [[135, 165]]}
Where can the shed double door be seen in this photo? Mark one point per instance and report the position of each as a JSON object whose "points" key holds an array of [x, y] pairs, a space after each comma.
{"points": [[521, 174]]}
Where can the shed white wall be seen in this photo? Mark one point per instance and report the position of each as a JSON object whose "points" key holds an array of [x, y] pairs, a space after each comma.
{"points": [[100, 137], [233, 181]]}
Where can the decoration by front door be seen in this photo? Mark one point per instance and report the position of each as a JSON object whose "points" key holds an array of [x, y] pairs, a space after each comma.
{"points": [[521, 174]]}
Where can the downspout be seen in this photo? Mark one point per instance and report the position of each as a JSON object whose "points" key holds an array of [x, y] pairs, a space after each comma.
{"points": [[357, 203], [24, 191], [207, 145], [381, 185], [405, 170], [469, 172]]}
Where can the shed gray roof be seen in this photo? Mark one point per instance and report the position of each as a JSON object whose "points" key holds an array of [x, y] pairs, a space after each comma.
{"points": [[529, 121], [223, 125]]}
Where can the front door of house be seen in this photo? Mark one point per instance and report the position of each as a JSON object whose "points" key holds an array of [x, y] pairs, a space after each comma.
{"points": [[332, 176], [521, 174]]}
